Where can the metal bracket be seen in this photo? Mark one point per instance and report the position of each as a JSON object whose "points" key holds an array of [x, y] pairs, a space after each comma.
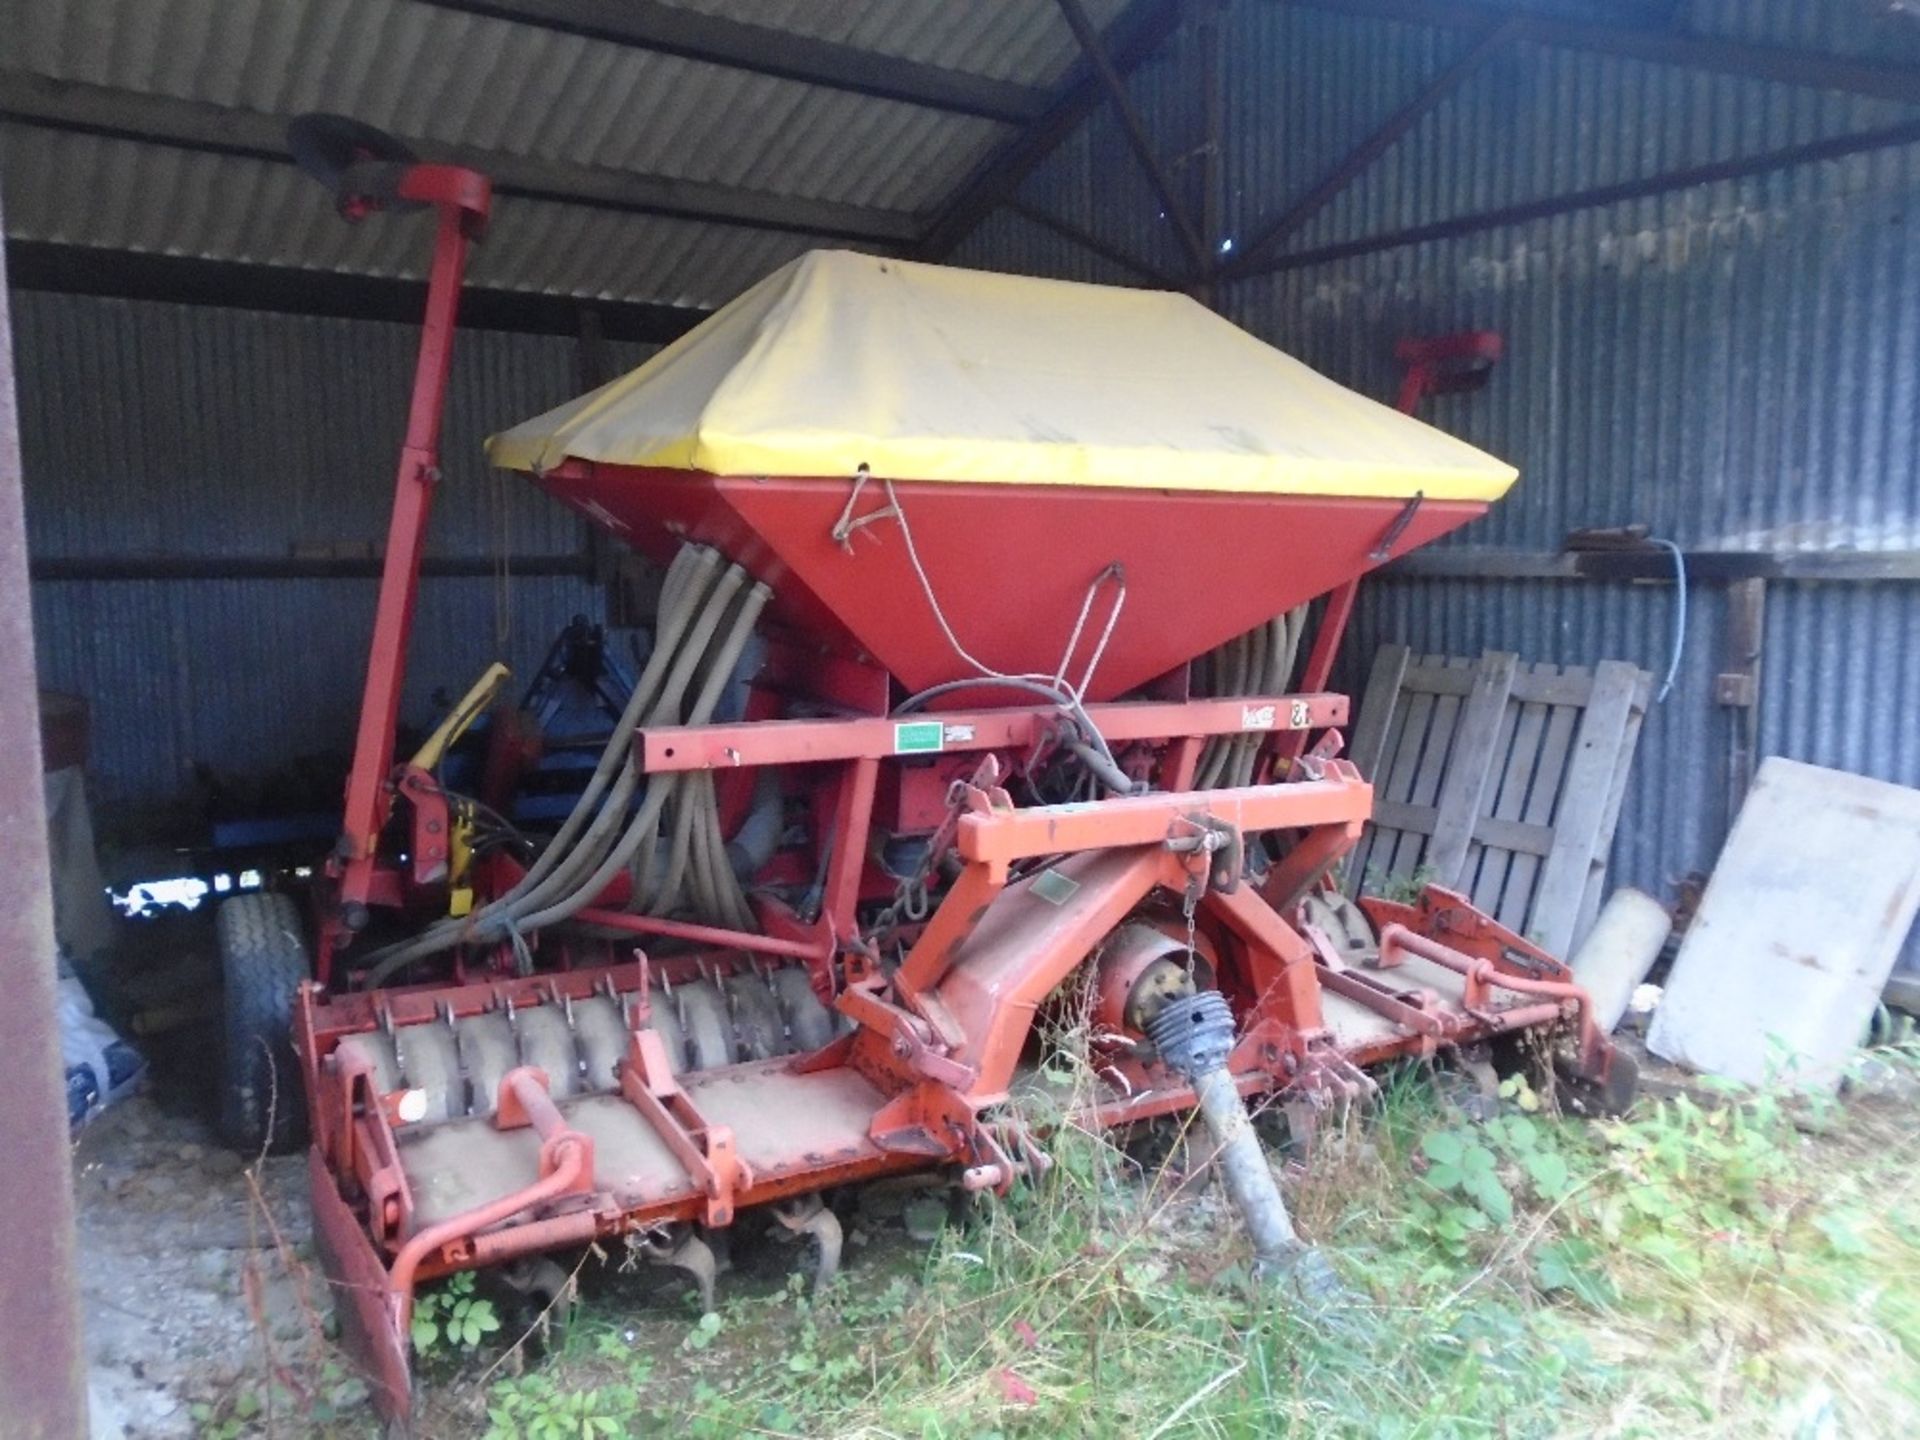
{"points": [[1391, 535], [432, 825], [706, 1151], [1215, 853], [912, 1037]]}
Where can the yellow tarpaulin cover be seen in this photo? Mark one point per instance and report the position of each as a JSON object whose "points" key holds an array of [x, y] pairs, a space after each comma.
{"points": [[924, 372]]}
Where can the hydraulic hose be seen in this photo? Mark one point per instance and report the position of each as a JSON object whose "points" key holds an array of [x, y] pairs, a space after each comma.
{"points": [[1057, 694], [1258, 662], [1260, 658], [758, 837], [664, 710], [1231, 668], [1281, 643], [717, 895], [676, 788], [726, 881], [687, 579], [1105, 770]]}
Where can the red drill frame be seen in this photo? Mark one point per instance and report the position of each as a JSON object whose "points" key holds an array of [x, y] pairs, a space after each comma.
{"points": [[935, 1051]]}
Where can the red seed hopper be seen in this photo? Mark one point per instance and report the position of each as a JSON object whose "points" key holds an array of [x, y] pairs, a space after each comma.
{"points": [[1035, 433], [980, 691]]}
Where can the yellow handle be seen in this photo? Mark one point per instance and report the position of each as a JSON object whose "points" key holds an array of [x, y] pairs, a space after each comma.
{"points": [[472, 705]]}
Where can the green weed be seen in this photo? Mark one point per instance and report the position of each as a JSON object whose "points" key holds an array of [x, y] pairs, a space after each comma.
{"points": [[1705, 1267], [451, 1317]]}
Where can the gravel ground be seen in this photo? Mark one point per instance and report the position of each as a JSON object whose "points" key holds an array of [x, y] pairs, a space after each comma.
{"points": [[186, 1295]]}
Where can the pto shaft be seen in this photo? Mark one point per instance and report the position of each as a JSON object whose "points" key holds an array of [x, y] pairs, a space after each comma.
{"points": [[1194, 1036]]}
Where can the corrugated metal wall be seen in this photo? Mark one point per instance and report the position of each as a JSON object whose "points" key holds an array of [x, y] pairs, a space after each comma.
{"points": [[154, 429], [1737, 365]]}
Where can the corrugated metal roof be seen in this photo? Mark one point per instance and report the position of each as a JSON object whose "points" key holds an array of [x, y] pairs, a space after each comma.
{"points": [[1878, 29], [1009, 41], [1305, 85], [439, 75], [1007, 241], [89, 190], [443, 75]]}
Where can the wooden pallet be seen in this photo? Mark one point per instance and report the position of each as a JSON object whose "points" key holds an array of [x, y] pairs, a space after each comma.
{"points": [[1497, 779]]}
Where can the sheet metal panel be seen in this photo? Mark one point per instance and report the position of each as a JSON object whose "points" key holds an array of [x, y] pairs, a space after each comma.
{"points": [[1730, 366], [247, 675], [191, 430], [194, 430], [438, 74], [1735, 365]]}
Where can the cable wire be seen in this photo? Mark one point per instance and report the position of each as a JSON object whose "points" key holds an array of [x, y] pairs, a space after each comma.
{"points": [[1679, 645], [1068, 696]]}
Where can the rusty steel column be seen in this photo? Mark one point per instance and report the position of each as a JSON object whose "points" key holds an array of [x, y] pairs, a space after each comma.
{"points": [[42, 1375]]}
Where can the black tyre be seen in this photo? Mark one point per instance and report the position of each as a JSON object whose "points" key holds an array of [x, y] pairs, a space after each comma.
{"points": [[263, 958]]}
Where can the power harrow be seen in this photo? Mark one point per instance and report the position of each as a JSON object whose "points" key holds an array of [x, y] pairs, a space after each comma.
{"points": [[912, 755]]}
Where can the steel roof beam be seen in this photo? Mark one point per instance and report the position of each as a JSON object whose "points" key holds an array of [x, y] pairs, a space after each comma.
{"points": [[763, 50], [1094, 48], [1141, 30], [1093, 244], [290, 290], [1296, 216], [1720, 54], [1833, 147], [36, 100]]}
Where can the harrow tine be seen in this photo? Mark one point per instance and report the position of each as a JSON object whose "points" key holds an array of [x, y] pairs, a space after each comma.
{"points": [[687, 1252], [549, 1287], [807, 1215]]}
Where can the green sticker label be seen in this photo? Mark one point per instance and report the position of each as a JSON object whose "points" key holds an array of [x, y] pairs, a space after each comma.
{"points": [[918, 737]]}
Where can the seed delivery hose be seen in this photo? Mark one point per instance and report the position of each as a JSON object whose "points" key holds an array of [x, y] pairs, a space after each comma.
{"points": [[1260, 662], [584, 854], [647, 817]]}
